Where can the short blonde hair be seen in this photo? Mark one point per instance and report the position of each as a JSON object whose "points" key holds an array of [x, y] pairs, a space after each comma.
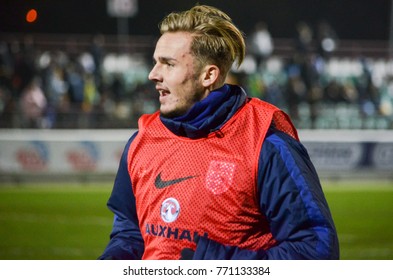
{"points": [[216, 39]]}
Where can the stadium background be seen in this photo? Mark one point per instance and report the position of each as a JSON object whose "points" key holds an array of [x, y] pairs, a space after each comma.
{"points": [[86, 71]]}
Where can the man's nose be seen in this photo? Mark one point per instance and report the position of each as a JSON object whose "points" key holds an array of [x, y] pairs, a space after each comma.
{"points": [[154, 74]]}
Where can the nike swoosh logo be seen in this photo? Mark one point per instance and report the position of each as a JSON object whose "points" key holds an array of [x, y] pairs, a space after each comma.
{"points": [[160, 184]]}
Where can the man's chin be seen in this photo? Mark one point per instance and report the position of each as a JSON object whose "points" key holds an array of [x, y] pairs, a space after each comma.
{"points": [[171, 114]]}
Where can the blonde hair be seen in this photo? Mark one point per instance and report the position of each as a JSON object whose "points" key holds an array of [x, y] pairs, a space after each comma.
{"points": [[216, 39]]}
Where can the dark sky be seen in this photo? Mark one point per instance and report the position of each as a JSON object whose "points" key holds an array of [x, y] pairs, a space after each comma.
{"points": [[352, 19]]}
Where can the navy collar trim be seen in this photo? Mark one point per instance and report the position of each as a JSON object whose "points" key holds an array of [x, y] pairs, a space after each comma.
{"points": [[209, 114]]}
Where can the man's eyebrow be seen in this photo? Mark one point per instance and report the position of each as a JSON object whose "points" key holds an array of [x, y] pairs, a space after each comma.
{"points": [[164, 59]]}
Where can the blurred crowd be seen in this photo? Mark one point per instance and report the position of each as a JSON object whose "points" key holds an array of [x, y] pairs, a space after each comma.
{"points": [[317, 87], [97, 88], [64, 88]]}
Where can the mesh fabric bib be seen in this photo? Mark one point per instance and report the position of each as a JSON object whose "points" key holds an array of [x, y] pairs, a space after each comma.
{"points": [[185, 188]]}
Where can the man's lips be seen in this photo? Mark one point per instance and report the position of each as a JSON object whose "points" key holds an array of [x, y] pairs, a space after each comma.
{"points": [[162, 91]]}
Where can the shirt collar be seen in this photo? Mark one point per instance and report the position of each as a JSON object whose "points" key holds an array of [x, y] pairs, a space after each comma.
{"points": [[209, 114]]}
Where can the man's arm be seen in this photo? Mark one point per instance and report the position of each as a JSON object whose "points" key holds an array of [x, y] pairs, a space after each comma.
{"points": [[292, 199], [125, 240]]}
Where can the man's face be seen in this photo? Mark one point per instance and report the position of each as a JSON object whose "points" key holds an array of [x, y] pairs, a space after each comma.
{"points": [[177, 78]]}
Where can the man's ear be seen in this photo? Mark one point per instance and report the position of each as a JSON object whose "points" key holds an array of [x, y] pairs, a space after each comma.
{"points": [[210, 76]]}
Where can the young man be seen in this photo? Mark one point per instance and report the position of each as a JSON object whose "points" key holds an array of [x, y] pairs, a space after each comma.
{"points": [[214, 174]]}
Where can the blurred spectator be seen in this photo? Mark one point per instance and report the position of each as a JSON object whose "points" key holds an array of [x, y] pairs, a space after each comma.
{"points": [[300, 71], [98, 53], [261, 43], [24, 65], [6, 89], [386, 107], [118, 88], [303, 38], [327, 39], [33, 104], [369, 98], [76, 84], [56, 86], [7, 107], [311, 79], [90, 94], [6, 65], [295, 88]]}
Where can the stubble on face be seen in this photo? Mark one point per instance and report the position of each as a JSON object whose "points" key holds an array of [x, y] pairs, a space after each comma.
{"points": [[194, 94]]}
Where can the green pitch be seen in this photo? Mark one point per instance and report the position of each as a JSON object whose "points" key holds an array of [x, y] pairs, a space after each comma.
{"points": [[63, 221]]}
